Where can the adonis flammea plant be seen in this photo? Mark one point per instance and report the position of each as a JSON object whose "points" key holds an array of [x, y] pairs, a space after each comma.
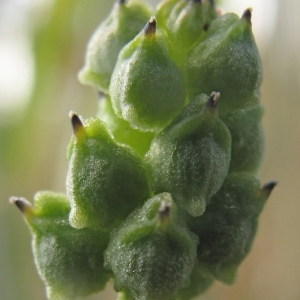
{"points": [[162, 194]]}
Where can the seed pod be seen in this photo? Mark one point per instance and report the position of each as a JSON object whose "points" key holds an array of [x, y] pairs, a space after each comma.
{"points": [[190, 158], [152, 254], [167, 7], [247, 139], [227, 61], [122, 131], [185, 24], [70, 261], [228, 227], [147, 89], [124, 22], [102, 178]]}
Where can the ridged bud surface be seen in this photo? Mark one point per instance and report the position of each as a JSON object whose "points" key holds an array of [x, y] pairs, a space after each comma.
{"points": [[102, 177], [70, 261], [227, 61], [190, 159], [168, 251], [147, 88], [124, 22]]}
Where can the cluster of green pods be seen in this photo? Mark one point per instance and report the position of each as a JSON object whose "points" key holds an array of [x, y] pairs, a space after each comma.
{"points": [[162, 194]]}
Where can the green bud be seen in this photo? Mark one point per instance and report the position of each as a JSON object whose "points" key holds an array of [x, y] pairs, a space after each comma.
{"points": [[147, 89], [69, 261], [152, 254], [124, 22], [102, 178], [168, 7], [122, 131], [159, 134], [184, 23], [190, 158], [228, 227], [227, 61], [247, 139]]}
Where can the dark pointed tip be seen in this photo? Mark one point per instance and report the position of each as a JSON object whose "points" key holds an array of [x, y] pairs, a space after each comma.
{"points": [[22, 204], [76, 122], [164, 211], [212, 101], [206, 26], [212, 2], [268, 188], [150, 27], [197, 1], [121, 2], [247, 15], [100, 95]]}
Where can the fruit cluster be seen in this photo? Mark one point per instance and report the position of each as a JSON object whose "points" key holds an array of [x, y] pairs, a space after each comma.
{"points": [[162, 189]]}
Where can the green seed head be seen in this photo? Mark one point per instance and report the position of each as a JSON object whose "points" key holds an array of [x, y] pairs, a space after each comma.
{"points": [[159, 134], [147, 89], [190, 158], [184, 24], [226, 61], [124, 22], [247, 139], [69, 261], [228, 227], [102, 178], [152, 254]]}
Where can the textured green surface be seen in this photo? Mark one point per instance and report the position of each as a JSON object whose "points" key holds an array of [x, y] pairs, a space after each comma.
{"points": [[181, 124], [105, 181], [70, 261], [227, 228], [190, 159], [124, 22], [247, 139], [147, 88], [184, 24], [123, 133], [152, 254], [228, 62]]}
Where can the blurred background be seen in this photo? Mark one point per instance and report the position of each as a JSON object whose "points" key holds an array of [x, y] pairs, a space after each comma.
{"points": [[42, 46]]}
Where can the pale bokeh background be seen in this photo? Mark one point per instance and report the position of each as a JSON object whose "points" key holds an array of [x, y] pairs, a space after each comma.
{"points": [[42, 46]]}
